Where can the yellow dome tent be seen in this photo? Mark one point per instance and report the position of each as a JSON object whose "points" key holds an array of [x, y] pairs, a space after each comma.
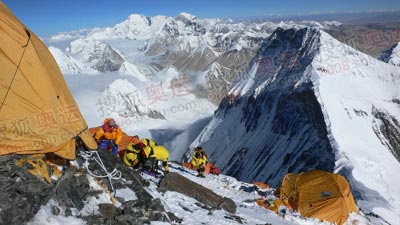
{"points": [[37, 111], [319, 194]]}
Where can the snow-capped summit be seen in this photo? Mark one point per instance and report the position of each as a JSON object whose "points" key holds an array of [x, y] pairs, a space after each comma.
{"points": [[96, 54], [137, 19], [133, 26], [308, 101], [185, 17], [127, 101]]}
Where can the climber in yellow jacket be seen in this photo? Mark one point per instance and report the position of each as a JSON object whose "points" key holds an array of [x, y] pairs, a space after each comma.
{"points": [[133, 156], [109, 135], [148, 142], [147, 154], [154, 154], [199, 161]]}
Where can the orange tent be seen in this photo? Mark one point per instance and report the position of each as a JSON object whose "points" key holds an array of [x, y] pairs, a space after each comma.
{"points": [[319, 194], [37, 113]]}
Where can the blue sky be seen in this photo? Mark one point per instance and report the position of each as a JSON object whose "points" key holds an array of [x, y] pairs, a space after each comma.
{"points": [[46, 17]]}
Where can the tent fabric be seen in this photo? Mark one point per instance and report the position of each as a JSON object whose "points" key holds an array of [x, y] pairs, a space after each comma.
{"points": [[37, 113], [261, 185], [187, 165], [319, 194], [213, 169], [272, 205]]}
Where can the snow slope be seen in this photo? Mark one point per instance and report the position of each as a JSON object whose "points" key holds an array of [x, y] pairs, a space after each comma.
{"points": [[188, 209], [131, 69], [352, 116], [309, 101], [68, 64]]}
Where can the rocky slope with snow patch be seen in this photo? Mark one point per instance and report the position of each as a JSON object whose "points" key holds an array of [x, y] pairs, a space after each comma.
{"points": [[307, 102]]}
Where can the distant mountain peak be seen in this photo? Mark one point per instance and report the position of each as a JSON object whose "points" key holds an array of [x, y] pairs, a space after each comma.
{"points": [[284, 51], [127, 100], [138, 19], [97, 55], [185, 16]]}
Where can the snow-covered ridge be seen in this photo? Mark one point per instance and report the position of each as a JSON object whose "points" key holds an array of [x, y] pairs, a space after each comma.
{"points": [[68, 64]]}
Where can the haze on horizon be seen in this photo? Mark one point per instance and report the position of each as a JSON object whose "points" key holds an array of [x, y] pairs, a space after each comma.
{"points": [[47, 17]]}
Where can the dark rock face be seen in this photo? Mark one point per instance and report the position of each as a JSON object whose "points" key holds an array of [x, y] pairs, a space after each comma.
{"points": [[22, 194], [176, 182], [387, 54], [387, 129], [278, 120], [106, 60], [297, 140], [71, 190]]}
